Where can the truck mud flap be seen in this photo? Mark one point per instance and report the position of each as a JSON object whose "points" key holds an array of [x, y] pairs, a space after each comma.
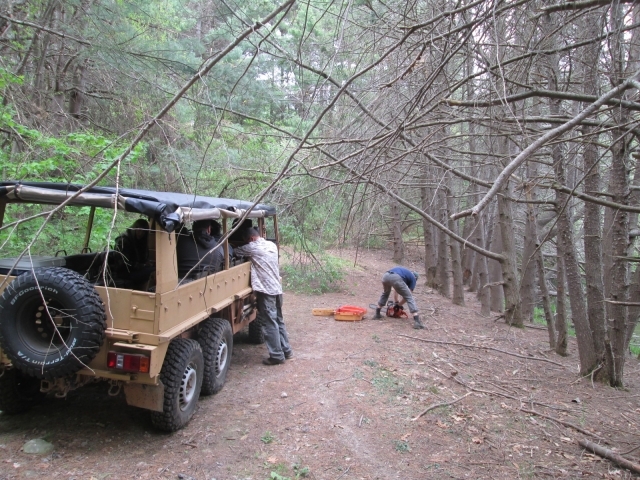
{"points": [[149, 397]]}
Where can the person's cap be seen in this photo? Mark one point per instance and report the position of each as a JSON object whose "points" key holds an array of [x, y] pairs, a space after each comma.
{"points": [[415, 274]]}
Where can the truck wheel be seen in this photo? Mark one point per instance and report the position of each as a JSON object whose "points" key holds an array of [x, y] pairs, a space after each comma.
{"points": [[18, 392], [216, 340], [181, 376], [256, 333], [52, 322]]}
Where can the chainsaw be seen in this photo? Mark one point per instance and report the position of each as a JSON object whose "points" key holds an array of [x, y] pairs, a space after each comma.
{"points": [[395, 311]]}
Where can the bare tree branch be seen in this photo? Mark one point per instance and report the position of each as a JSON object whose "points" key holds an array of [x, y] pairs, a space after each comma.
{"points": [[531, 149]]}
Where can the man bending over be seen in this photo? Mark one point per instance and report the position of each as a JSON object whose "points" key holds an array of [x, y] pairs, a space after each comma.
{"points": [[403, 281]]}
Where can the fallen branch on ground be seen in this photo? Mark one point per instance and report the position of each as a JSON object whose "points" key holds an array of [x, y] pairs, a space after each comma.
{"points": [[436, 405], [562, 422], [536, 327], [495, 394], [630, 451], [483, 348], [347, 378], [609, 455]]}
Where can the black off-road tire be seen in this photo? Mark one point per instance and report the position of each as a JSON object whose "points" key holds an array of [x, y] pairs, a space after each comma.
{"points": [[18, 392], [216, 339], [55, 337], [256, 333], [181, 375]]}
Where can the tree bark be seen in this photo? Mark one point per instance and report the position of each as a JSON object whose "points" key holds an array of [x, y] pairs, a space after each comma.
{"points": [[566, 246], [592, 212], [561, 309], [444, 284], [468, 257], [634, 287], [530, 240], [619, 189], [617, 314], [546, 300], [511, 284], [396, 227], [428, 234], [495, 269], [634, 197], [480, 266], [456, 263]]}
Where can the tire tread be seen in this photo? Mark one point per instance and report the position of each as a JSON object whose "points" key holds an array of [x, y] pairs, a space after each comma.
{"points": [[179, 352], [90, 310], [211, 332]]}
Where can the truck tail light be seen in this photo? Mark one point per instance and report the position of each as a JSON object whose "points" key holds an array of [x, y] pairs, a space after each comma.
{"points": [[128, 362]]}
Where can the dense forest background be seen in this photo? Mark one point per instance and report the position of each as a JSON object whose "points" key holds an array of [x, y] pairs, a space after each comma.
{"points": [[500, 138]]}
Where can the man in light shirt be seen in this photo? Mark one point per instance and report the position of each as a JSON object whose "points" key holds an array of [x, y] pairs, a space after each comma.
{"points": [[265, 281]]}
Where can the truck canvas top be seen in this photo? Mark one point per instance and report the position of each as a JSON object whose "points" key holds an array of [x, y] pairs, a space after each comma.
{"points": [[169, 209]]}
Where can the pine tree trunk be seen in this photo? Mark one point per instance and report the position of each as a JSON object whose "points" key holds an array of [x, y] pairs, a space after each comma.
{"points": [[468, 256], [593, 266], [513, 312], [456, 263], [527, 284], [561, 309], [619, 189], [546, 300], [444, 284], [480, 266], [428, 235], [586, 349], [398, 242], [495, 269], [617, 334], [634, 286]]}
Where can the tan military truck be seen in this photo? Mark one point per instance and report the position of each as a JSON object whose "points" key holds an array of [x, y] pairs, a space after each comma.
{"points": [[68, 319]]}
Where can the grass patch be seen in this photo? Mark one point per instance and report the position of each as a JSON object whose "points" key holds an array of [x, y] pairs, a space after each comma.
{"points": [[538, 314], [401, 446], [314, 275], [387, 383], [300, 471], [634, 346], [281, 472], [539, 318], [267, 438]]}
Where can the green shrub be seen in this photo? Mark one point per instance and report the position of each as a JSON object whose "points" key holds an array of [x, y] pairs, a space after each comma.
{"points": [[319, 275]]}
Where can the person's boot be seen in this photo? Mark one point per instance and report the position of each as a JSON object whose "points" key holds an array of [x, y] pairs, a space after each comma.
{"points": [[377, 316], [417, 324]]}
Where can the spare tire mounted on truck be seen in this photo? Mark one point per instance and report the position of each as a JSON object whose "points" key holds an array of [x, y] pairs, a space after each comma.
{"points": [[53, 322]]}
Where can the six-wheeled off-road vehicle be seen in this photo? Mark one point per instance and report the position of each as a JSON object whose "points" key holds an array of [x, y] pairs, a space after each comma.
{"points": [[68, 319]]}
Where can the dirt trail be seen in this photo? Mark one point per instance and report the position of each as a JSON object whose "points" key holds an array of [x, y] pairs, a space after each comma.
{"points": [[342, 408]]}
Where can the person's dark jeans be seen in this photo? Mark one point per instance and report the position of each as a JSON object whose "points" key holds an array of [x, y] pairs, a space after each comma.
{"points": [[270, 317]]}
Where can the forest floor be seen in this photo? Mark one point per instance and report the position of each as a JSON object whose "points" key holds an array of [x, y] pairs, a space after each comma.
{"points": [[346, 406]]}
